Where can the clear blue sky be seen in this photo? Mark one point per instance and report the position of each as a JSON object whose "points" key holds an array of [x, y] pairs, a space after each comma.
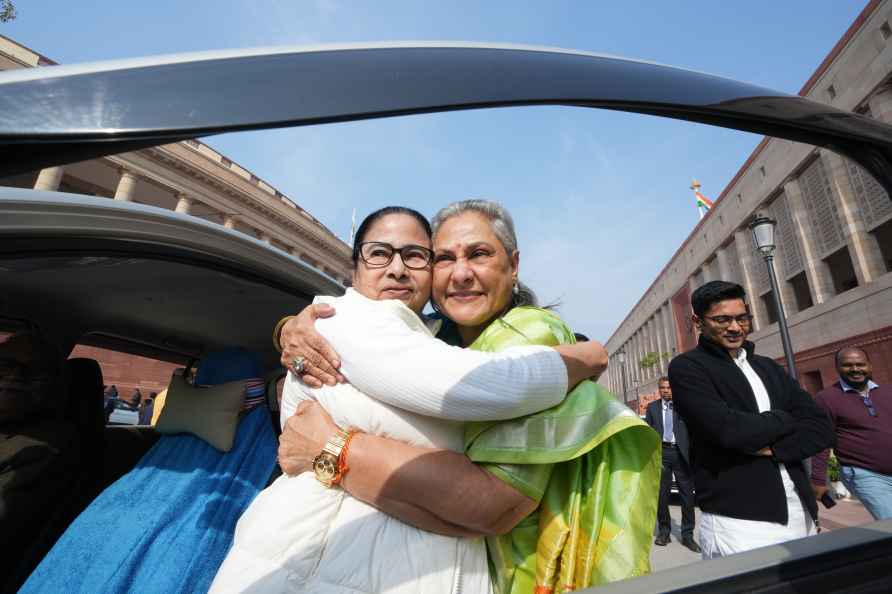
{"points": [[600, 199]]}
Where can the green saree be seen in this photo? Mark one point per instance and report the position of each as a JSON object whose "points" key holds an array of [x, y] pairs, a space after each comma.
{"points": [[592, 464]]}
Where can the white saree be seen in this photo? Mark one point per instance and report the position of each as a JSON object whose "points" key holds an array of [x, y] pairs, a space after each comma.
{"points": [[299, 536]]}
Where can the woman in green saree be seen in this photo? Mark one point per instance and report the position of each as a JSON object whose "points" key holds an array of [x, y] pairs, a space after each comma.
{"points": [[582, 478]]}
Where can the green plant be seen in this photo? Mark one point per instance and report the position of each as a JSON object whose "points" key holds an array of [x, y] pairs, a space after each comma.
{"points": [[833, 469], [651, 359]]}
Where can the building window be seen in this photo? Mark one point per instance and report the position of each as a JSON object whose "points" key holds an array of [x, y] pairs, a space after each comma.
{"points": [[801, 291], [822, 212], [873, 201], [842, 271], [885, 30], [734, 275], [768, 306], [762, 170], [831, 92], [789, 253]]}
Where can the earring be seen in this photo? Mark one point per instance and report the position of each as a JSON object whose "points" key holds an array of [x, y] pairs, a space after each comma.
{"points": [[516, 289]]}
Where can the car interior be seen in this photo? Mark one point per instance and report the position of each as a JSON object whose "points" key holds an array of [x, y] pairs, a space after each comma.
{"points": [[165, 309]]}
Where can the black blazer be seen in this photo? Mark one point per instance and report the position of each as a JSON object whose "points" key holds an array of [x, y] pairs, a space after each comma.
{"points": [[653, 416], [719, 407]]}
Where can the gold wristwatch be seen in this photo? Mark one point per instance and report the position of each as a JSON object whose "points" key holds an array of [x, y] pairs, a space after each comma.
{"points": [[329, 465]]}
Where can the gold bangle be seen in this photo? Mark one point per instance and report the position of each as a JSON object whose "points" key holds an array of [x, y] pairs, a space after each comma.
{"points": [[277, 332]]}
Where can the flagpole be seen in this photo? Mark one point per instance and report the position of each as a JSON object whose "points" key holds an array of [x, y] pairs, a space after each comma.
{"points": [[695, 186], [353, 227]]}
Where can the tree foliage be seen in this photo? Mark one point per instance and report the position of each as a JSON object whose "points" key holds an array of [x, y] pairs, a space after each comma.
{"points": [[651, 359], [7, 11]]}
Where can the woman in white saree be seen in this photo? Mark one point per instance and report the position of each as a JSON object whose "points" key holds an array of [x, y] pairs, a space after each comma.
{"points": [[300, 535]]}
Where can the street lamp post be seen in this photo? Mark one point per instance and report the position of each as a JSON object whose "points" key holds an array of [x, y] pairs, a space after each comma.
{"points": [[762, 227], [637, 385]]}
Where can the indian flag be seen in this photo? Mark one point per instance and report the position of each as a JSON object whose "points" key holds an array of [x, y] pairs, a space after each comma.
{"points": [[702, 201]]}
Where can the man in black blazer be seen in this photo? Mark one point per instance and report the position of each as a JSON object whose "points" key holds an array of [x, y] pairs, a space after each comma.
{"points": [[663, 418], [751, 426]]}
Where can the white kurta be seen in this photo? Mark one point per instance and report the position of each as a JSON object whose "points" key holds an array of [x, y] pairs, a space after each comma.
{"points": [[721, 535], [299, 536]]}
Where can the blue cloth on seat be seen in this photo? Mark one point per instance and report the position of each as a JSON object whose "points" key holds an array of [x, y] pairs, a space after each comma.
{"points": [[167, 525]]}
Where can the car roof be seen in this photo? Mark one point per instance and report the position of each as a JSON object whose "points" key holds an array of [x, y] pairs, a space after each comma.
{"points": [[61, 114], [183, 275]]}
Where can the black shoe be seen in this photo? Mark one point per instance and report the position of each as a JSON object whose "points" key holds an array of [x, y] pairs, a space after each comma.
{"points": [[689, 543], [663, 540]]}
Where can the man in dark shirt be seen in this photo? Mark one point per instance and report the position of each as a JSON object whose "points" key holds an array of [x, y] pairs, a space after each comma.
{"points": [[661, 416], [751, 426], [861, 411]]}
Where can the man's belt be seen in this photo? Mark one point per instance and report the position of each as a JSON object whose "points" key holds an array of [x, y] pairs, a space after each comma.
{"points": [[668, 444]]}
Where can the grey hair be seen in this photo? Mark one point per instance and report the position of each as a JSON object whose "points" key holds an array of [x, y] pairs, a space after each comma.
{"points": [[502, 225]]}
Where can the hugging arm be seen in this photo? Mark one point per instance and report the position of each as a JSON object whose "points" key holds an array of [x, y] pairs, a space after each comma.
{"points": [[386, 359], [432, 489], [705, 412]]}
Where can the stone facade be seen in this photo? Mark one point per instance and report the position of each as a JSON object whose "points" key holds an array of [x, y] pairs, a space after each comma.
{"points": [[834, 237]]}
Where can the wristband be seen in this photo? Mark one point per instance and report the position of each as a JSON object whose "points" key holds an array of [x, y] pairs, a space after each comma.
{"points": [[277, 332]]}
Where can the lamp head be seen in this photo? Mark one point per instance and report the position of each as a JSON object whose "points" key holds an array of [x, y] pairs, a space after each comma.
{"points": [[763, 227]]}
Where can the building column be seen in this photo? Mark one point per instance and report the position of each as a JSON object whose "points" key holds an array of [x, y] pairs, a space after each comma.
{"points": [[631, 358], [630, 362], [721, 259], [49, 179], [653, 347], [642, 349], [645, 348], [126, 186], [229, 221], [816, 270], [184, 204], [863, 247], [747, 271], [660, 340], [669, 328]]}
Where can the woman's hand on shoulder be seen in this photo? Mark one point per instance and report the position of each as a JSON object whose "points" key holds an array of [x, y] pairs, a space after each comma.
{"points": [[584, 360], [300, 339]]}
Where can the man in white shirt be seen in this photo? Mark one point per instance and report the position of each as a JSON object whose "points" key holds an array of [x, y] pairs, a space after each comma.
{"points": [[661, 416], [751, 427]]}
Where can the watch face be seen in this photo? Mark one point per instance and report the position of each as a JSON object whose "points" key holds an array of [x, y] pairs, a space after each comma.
{"points": [[325, 466]]}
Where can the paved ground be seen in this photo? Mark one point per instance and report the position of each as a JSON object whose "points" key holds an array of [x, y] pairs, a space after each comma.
{"points": [[847, 512]]}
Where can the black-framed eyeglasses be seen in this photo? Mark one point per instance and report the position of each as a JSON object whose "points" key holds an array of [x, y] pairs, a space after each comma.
{"points": [[871, 409], [378, 254], [725, 321]]}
